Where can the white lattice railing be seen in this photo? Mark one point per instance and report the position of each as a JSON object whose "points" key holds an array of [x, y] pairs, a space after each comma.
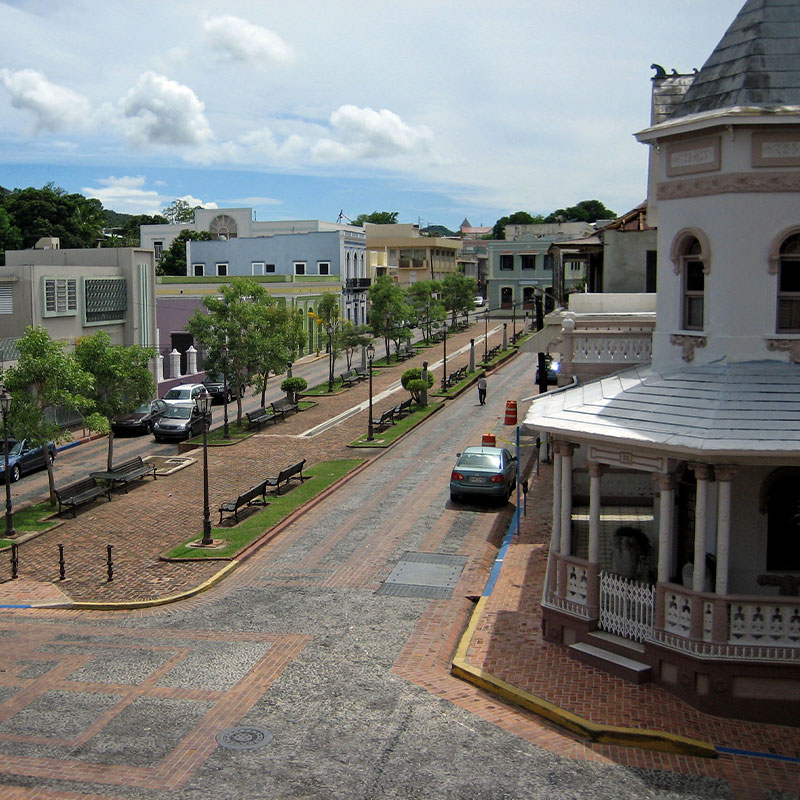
{"points": [[628, 349], [767, 623], [626, 607]]}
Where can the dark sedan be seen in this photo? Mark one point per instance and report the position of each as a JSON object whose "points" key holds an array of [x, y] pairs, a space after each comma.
{"points": [[216, 386], [180, 422], [484, 471], [140, 420], [23, 458]]}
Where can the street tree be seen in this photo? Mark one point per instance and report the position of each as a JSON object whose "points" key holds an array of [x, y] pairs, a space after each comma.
{"points": [[427, 309], [388, 311], [46, 378], [122, 376], [353, 337], [328, 317], [517, 218], [458, 294], [173, 262]]}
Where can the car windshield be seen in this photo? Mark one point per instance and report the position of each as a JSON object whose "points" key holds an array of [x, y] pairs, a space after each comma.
{"points": [[14, 448], [480, 460], [178, 394], [178, 412], [144, 408]]}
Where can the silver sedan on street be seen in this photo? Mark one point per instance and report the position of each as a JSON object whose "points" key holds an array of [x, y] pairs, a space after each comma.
{"points": [[483, 472]]}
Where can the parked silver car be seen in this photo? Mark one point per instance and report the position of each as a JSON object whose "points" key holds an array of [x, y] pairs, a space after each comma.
{"points": [[180, 422], [484, 472]]}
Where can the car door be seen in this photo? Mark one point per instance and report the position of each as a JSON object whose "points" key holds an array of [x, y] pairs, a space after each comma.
{"points": [[31, 458]]}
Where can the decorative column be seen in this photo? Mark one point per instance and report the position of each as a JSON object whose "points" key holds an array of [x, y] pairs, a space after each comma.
{"points": [[505, 336], [565, 449], [703, 474], [666, 541], [191, 360], [724, 474], [596, 471], [174, 364], [471, 356], [555, 536]]}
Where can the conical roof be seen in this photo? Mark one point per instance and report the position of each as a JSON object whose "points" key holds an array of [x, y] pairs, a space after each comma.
{"points": [[756, 63]]}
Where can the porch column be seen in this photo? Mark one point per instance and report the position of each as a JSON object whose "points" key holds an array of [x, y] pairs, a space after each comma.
{"points": [[595, 470], [666, 540], [567, 450], [703, 475], [724, 474], [555, 535]]}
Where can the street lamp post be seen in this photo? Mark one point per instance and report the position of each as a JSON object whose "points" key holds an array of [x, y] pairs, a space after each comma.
{"points": [[224, 353], [370, 356], [486, 334], [5, 407], [203, 404], [514, 320], [444, 359]]}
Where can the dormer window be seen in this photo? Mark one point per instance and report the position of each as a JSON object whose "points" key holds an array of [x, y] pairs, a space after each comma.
{"points": [[789, 285], [694, 284]]}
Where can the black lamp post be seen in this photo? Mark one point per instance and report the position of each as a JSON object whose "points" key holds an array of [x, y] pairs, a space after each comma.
{"points": [[5, 407], [486, 335], [203, 404], [444, 359], [370, 356], [224, 353], [514, 320]]}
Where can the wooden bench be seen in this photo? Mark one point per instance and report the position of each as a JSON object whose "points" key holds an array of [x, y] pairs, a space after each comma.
{"points": [[384, 419], [80, 492], [361, 372], [285, 475], [127, 471], [248, 498], [404, 408], [259, 417], [456, 377], [284, 406], [438, 336], [350, 378]]}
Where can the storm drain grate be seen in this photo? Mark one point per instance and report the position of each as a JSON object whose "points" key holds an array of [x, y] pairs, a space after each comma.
{"points": [[244, 737], [431, 575]]}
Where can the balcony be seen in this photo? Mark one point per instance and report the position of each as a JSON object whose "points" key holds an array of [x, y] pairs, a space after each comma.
{"points": [[355, 284]]}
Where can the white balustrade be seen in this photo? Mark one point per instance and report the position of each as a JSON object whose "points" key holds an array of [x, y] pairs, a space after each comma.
{"points": [[614, 349], [577, 582]]}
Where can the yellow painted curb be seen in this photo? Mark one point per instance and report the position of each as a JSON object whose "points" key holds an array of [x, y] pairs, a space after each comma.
{"points": [[605, 734], [212, 581]]}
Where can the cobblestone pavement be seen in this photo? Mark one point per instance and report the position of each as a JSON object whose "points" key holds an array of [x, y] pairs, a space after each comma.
{"points": [[341, 691]]}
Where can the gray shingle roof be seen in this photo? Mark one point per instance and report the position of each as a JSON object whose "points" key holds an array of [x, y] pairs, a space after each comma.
{"points": [[750, 407], [756, 63]]}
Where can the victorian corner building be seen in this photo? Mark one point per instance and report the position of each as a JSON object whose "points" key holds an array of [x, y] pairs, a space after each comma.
{"points": [[675, 548]]}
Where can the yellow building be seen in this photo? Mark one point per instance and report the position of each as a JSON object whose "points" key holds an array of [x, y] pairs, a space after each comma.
{"points": [[407, 256]]}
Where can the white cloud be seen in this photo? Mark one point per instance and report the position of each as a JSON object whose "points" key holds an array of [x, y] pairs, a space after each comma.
{"points": [[159, 111], [54, 107], [366, 133], [126, 195], [236, 39], [194, 202], [264, 143]]}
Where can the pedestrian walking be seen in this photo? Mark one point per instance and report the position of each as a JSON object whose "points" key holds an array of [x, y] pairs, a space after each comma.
{"points": [[482, 390]]}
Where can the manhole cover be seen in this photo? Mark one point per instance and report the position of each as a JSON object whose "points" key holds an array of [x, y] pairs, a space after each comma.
{"points": [[244, 737], [431, 575]]}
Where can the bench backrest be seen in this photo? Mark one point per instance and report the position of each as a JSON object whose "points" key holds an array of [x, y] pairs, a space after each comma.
{"points": [[77, 488], [287, 473], [125, 466], [247, 496]]}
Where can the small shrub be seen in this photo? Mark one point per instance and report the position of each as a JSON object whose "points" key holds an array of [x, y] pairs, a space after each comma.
{"points": [[414, 384], [293, 387]]}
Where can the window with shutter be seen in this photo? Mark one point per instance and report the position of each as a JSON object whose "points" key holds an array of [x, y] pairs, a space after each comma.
{"points": [[60, 296]]}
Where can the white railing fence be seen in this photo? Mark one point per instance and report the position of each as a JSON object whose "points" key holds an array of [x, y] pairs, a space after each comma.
{"points": [[626, 607]]}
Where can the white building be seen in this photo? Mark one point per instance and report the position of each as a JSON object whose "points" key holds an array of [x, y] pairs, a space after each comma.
{"points": [[675, 552]]}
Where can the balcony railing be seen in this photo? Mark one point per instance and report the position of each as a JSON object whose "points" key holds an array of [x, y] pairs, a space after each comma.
{"points": [[357, 283]]}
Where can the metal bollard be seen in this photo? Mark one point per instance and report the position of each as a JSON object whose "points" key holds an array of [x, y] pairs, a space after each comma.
{"points": [[14, 560], [110, 564], [61, 565]]}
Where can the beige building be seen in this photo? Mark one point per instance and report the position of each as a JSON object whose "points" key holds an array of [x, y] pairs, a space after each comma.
{"points": [[410, 257]]}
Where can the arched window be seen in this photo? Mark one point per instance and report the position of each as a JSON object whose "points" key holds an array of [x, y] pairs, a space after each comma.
{"points": [[693, 279], [780, 496], [223, 227], [789, 285]]}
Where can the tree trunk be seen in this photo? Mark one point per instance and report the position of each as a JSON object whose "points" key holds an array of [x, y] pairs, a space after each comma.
{"points": [[110, 457]]}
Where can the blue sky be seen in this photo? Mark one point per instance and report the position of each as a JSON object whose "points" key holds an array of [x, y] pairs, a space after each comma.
{"points": [[437, 110]]}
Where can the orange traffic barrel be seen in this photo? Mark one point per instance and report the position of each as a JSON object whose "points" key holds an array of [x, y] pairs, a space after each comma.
{"points": [[488, 439], [511, 412]]}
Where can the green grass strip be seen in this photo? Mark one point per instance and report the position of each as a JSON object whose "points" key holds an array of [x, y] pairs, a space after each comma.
{"points": [[457, 388], [394, 432], [320, 477], [31, 519]]}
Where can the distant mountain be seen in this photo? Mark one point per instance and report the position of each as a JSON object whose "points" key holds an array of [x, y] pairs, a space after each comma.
{"points": [[438, 230]]}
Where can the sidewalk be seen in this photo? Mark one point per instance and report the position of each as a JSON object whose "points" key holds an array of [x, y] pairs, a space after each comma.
{"points": [[506, 642]]}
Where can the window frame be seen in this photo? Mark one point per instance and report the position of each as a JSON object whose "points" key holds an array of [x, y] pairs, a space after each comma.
{"points": [[504, 259], [68, 309], [221, 268], [321, 264], [302, 265], [788, 260]]}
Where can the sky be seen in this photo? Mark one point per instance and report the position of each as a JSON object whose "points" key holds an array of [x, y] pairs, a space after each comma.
{"points": [[309, 109]]}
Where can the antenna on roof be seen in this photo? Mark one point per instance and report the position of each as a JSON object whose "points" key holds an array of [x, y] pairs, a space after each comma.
{"points": [[342, 216]]}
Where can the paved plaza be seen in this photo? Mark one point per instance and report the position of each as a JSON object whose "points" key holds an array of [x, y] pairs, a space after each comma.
{"points": [[294, 676]]}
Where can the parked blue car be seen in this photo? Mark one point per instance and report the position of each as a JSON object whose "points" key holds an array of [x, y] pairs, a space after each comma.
{"points": [[23, 458]]}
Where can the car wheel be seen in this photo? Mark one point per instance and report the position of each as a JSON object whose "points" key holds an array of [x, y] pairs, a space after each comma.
{"points": [[15, 473]]}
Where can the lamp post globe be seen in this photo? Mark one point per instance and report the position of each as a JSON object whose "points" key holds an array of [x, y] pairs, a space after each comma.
{"points": [[203, 404]]}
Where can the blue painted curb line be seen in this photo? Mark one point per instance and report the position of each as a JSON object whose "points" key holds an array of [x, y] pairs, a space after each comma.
{"points": [[735, 751]]}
